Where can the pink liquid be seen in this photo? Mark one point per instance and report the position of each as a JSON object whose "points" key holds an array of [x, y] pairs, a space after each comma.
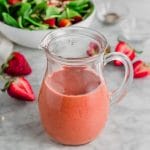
{"points": [[74, 106]]}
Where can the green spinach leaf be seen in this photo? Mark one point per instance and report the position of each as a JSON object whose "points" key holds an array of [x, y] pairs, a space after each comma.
{"points": [[25, 9], [39, 7], [77, 3], [52, 12], [71, 13], [63, 15], [82, 8], [89, 11], [1, 11], [9, 20], [20, 22], [4, 3], [33, 22]]}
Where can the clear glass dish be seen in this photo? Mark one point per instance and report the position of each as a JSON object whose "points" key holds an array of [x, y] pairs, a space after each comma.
{"points": [[111, 12]]}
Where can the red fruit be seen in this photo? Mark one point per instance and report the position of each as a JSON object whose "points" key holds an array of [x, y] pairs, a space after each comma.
{"points": [[16, 65], [141, 69], [50, 4], [76, 19], [51, 22], [93, 49], [64, 23], [125, 49], [21, 89], [13, 2], [54, 3]]}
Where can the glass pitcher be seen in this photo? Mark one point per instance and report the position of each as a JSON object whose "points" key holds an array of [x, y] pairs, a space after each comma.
{"points": [[74, 99]]}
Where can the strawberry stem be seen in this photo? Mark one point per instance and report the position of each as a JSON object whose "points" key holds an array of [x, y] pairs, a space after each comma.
{"points": [[8, 80], [5, 77], [10, 57], [119, 40], [3, 67], [6, 86], [1, 71], [5, 64], [138, 52]]}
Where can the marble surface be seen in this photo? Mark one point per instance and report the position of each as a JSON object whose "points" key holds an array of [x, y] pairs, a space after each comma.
{"points": [[128, 127]]}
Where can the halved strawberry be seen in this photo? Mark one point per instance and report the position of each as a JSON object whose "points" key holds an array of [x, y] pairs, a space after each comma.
{"points": [[16, 65], [64, 23], [124, 48], [141, 69], [51, 22], [20, 89]]}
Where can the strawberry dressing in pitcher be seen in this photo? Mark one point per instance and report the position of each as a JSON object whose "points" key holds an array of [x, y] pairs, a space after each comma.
{"points": [[74, 105], [74, 100]]}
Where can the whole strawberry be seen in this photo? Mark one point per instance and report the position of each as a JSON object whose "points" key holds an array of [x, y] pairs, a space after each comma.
{"points": [[16, 65], [20, 89]]}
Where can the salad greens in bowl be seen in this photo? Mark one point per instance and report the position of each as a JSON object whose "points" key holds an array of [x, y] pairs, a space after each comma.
{"points": [[25, 22]]}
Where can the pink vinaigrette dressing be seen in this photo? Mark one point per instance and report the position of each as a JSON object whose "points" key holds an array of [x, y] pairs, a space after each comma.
{"points": [[74, 105]]}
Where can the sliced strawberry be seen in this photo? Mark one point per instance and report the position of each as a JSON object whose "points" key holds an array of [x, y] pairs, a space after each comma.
{"points": [[64, 23], [50, 4], [20, 89], [13, 2], [16, 65], [51, 22], [141, 69], [76, 19], [56, 3], [124, 48]]}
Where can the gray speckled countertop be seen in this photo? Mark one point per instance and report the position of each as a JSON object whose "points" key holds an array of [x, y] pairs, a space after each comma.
{"points": [[128, 127]]}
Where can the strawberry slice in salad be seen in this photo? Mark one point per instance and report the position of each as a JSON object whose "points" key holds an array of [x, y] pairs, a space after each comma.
{"points": [[13, 2], [51, 22], [64, 23]]}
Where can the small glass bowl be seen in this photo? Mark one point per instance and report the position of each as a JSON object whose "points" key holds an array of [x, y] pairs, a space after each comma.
{"points": [[135, 29], [111, 12]]}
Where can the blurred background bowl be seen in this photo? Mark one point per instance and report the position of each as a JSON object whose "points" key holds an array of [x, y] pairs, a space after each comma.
{"points": [[110, 12]]}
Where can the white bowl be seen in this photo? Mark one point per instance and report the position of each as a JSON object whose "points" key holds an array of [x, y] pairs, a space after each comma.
{"points": [[33, 38]]}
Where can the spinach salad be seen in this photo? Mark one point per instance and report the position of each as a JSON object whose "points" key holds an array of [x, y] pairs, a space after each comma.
{"points": [[44, 14]]}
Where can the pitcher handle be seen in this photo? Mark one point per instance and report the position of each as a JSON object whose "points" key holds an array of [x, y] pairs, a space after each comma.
{"points": [[118, 94]]}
